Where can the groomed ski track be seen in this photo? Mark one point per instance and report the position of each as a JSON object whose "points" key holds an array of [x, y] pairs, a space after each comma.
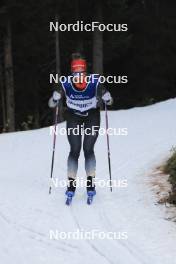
{"points": [[28, 213]]}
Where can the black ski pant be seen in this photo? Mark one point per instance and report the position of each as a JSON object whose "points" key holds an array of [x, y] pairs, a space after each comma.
{"points": [[82, 130]]}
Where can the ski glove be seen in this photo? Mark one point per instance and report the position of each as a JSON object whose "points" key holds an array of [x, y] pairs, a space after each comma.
{"points": [[53, 101], [107, 98]]}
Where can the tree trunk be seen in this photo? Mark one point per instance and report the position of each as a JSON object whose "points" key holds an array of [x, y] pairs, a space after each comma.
{"points": [[58, 70], [98, 40], [2, 98], [36, 108], [79, 39], [157, 8], [58, 67], [9, 81]]}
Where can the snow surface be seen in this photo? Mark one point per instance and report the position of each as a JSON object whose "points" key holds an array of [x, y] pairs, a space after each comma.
{"points": [[28, 213]]}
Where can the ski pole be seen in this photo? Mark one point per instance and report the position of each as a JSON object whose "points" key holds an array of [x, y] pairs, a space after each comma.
{"points": [[108, 146], [54, 144]]}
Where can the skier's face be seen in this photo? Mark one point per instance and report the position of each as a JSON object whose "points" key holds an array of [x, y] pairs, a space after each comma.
{"points": [[79, 77], [79, 80]]}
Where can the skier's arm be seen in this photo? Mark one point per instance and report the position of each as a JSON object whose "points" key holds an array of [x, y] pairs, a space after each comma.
{"points": [[103, 95], [56, 96]]}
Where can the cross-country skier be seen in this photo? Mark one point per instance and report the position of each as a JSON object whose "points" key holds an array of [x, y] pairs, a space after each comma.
{"points": [[83, 99]]}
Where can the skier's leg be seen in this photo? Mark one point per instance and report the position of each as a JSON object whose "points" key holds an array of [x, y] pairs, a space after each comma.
{"points": [[71, 186], [75, 147], [88, 146]]}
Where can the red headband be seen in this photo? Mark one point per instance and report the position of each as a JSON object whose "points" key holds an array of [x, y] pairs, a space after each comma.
{"points": [[78, 65]]}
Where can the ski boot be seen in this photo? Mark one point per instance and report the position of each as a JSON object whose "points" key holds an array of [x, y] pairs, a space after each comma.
{"points": [[70, 192], [91, 192]]}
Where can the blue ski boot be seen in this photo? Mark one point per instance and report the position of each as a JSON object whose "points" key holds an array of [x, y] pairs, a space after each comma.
{"points": [[91, 192], [70, 190]]}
